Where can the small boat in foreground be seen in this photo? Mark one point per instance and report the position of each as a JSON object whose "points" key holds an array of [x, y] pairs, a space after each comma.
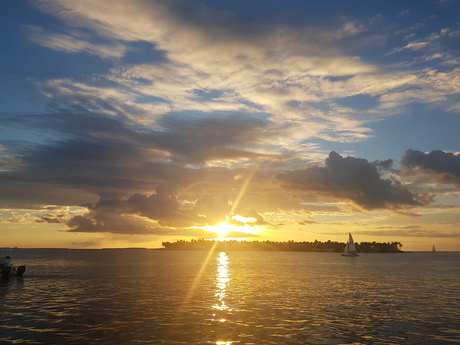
{"points": [[350, 248], [7, 269]]}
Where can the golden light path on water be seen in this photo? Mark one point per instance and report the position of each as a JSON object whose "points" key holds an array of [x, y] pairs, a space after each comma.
{"points": [[222, 280]]}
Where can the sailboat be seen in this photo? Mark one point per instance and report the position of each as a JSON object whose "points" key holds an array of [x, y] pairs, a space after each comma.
{"points": [[433, 249], [350, 248]]}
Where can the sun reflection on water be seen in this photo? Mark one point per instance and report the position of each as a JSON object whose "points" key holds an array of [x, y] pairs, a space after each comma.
{"points": [[222, 279], [220, 306]]}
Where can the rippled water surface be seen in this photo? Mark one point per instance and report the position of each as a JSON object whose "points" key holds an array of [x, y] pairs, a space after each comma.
{"points": [[136, 296]]}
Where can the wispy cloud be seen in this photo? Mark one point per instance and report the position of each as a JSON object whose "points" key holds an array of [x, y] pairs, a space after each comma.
{"points": [[75, 42], [276, 70]]}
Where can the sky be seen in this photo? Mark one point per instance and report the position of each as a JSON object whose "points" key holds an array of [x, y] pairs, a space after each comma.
{"points": [[132, 123]]}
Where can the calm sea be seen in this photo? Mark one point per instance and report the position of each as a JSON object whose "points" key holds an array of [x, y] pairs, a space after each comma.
{"points": [[136, 296]]}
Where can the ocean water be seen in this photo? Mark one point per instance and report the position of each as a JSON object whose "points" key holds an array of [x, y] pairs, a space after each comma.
{"points": [[136, 296]]}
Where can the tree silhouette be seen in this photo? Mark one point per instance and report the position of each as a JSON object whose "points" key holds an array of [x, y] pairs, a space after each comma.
{"points": [[316, 246]]}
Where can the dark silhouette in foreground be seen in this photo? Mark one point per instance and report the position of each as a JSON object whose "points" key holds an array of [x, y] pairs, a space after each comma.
{"points": [[316, 246]]}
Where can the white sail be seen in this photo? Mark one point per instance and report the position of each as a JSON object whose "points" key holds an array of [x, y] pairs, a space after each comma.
{"points": [[350, 247]]}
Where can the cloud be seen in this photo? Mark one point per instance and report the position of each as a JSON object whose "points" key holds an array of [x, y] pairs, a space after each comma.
{"points": [[80, 156], [138, 214], [247, 216], [226, 94], [51, 219], [226, 137], [444, 167], [351, 179], [75, 42], [108, 221], [386, 165], [255, 67], [417, 231], [291, 75], [251, 63], [411, 46], [213, 210], [420, 44], [22, 191], [158, 213]]}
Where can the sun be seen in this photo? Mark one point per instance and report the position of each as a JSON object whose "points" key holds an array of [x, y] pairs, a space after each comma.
{"points": [[222, 229], [236, 226]]}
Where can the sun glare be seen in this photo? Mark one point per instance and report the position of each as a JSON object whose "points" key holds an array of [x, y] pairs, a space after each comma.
{"points": [[222, 229], [237, 225]]}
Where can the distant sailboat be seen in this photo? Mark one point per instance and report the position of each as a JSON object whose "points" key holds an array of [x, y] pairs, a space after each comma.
{"points": [[350, 248], [433, 249]]}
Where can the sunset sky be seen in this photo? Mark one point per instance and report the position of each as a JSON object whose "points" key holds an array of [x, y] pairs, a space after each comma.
{"points": [[130, 123]]}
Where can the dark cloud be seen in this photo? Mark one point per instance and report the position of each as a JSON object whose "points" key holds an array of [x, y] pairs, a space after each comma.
{"points": [[39, 195], [197, 139], [50, 219], [110, 220], [442, 166], [131, 215], [99, 156], [352, 179], [386, 165], [162, 206], [85, 224], [83, 151]]}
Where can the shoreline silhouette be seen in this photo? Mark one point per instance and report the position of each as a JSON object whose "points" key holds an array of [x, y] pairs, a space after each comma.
{"points": [[304, 246]]}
